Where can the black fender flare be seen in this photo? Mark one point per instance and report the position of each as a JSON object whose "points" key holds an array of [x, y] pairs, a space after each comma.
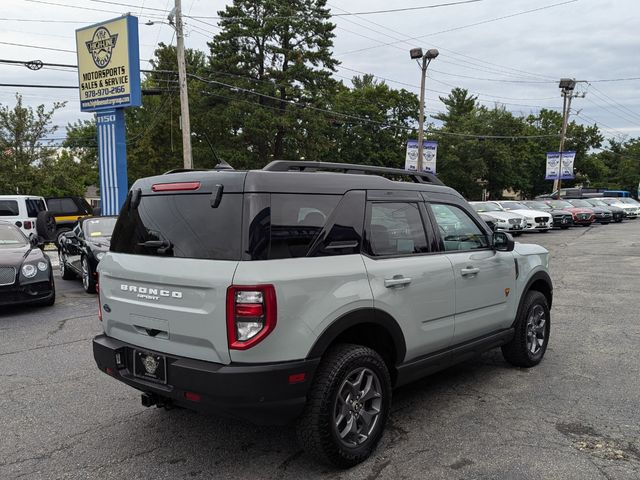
{"points": [[540, 275], [358, 317]]}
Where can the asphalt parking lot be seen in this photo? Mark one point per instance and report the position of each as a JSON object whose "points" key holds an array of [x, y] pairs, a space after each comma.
{"points": [[575, 416]]}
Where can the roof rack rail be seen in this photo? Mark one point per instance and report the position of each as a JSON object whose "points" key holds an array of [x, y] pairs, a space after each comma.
{"points": [[289, 165]]}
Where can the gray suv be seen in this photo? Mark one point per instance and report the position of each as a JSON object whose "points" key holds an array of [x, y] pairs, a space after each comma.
{"points": [[306, 292]]}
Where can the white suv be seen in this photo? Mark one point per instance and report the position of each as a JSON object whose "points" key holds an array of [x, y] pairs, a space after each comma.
{"points": [[306, 292], [28, 213]]}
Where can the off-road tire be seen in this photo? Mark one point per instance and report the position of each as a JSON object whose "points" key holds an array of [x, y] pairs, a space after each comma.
{"points": [[46, 225], [517, 351], [315, 428]]}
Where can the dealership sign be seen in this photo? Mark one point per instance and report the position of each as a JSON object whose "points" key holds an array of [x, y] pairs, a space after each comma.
{"points": [[429, 154], [109, 77], [109, 64], [560, 165]]}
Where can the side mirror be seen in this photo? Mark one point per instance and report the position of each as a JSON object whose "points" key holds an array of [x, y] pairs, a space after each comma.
{"points": [[503, 242], [33, 240]]}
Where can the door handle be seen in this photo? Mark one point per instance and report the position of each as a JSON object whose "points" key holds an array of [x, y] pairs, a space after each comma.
{"points": [[396, 281], [469, 271]]}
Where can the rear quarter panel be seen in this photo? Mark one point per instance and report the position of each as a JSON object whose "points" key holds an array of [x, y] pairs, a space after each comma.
{"points": [[311, 293]]}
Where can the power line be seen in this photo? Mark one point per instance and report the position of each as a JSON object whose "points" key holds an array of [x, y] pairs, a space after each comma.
{"points": [[600, 94], [38, 47], [464, 26]]}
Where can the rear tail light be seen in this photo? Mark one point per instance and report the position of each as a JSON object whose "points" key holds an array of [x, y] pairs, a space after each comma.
{"points": [[251, 314], [28, 224]]}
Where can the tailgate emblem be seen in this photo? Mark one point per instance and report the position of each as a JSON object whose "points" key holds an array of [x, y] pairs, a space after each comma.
{"points": [[149, 293]]}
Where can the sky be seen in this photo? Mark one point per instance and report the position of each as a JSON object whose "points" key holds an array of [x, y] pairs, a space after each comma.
{"points": [[510, 52]]}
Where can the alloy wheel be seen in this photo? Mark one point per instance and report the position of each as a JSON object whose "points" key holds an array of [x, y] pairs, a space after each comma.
{"points": [[536, 329], [85, 274], [357, 407]]}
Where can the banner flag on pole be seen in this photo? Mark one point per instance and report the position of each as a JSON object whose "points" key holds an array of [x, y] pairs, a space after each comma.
{"points": [[429, 154], [560, 165]]}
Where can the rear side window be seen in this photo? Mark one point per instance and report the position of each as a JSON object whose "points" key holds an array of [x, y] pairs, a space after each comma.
{"points": [[298, 225], [35, 206], [184, 226], [63, 205], [396, 229], [9, 208]]}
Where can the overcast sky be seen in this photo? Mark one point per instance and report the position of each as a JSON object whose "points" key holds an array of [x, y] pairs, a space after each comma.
{"points": [[515, 60]]}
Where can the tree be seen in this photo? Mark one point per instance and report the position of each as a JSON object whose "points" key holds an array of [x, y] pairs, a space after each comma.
{"points": [[381, 138], [23, 147], [281, 50]]}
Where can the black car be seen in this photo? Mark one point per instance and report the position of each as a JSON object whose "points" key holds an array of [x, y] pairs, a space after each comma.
{"points": [[25, 271], [617, 212], [67, 211], [82, 248]]}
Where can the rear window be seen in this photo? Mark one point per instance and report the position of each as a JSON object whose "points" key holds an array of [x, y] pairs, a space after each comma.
{"points": [[184, 226], [9, 208], [35, 206]]}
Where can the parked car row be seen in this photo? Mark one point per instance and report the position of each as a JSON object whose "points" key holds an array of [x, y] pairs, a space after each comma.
{"points": [[47, 219], [26, 275], [542, 215]]}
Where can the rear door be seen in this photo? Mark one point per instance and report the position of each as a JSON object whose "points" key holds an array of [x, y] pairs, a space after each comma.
{"points": [[409, 280], [484, 278], [173, 256]]}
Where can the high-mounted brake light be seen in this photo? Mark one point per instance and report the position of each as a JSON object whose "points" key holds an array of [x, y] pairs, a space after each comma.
{"points": [[174, 187], [251, 314]]}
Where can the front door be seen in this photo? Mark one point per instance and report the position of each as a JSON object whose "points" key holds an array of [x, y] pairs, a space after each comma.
{"points": [[484, 278]]}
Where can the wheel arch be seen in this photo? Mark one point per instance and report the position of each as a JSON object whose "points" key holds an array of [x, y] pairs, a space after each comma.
{"points": [[541, 282], [366, 326]]}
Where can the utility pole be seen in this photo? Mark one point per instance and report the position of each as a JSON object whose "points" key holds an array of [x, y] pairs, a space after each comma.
{"points": [[567, 85], [416, 54], [185, 122]]}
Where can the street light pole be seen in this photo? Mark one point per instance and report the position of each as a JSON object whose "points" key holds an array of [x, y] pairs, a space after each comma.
{"points": [[568, 86], [185, 122], [416, 53]]}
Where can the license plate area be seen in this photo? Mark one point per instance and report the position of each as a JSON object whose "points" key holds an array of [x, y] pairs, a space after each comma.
{"points": [[150, 366]]}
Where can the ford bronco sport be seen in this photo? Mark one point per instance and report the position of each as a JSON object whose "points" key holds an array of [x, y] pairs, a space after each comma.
{"points": [[306, 292]]}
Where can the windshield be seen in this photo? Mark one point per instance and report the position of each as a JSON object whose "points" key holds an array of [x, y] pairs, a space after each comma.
{"points": [[630, 201], [597, 203], [99, 227], [514, 206], [560, 204], [11, 236], [486, 207], [537, 205], [580, 203]]}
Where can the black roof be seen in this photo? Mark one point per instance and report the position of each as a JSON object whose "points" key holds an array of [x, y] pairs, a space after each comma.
{"points": [[302, 177]]}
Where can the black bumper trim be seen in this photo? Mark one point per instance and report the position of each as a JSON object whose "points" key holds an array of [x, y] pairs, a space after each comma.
{"points": [[259, 393]]}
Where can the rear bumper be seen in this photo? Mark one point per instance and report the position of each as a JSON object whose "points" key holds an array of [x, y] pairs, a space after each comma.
{"points": [[259, 393]]}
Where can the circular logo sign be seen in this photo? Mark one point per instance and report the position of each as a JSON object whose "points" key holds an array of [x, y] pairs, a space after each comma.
{"points": [[101, 46]]}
